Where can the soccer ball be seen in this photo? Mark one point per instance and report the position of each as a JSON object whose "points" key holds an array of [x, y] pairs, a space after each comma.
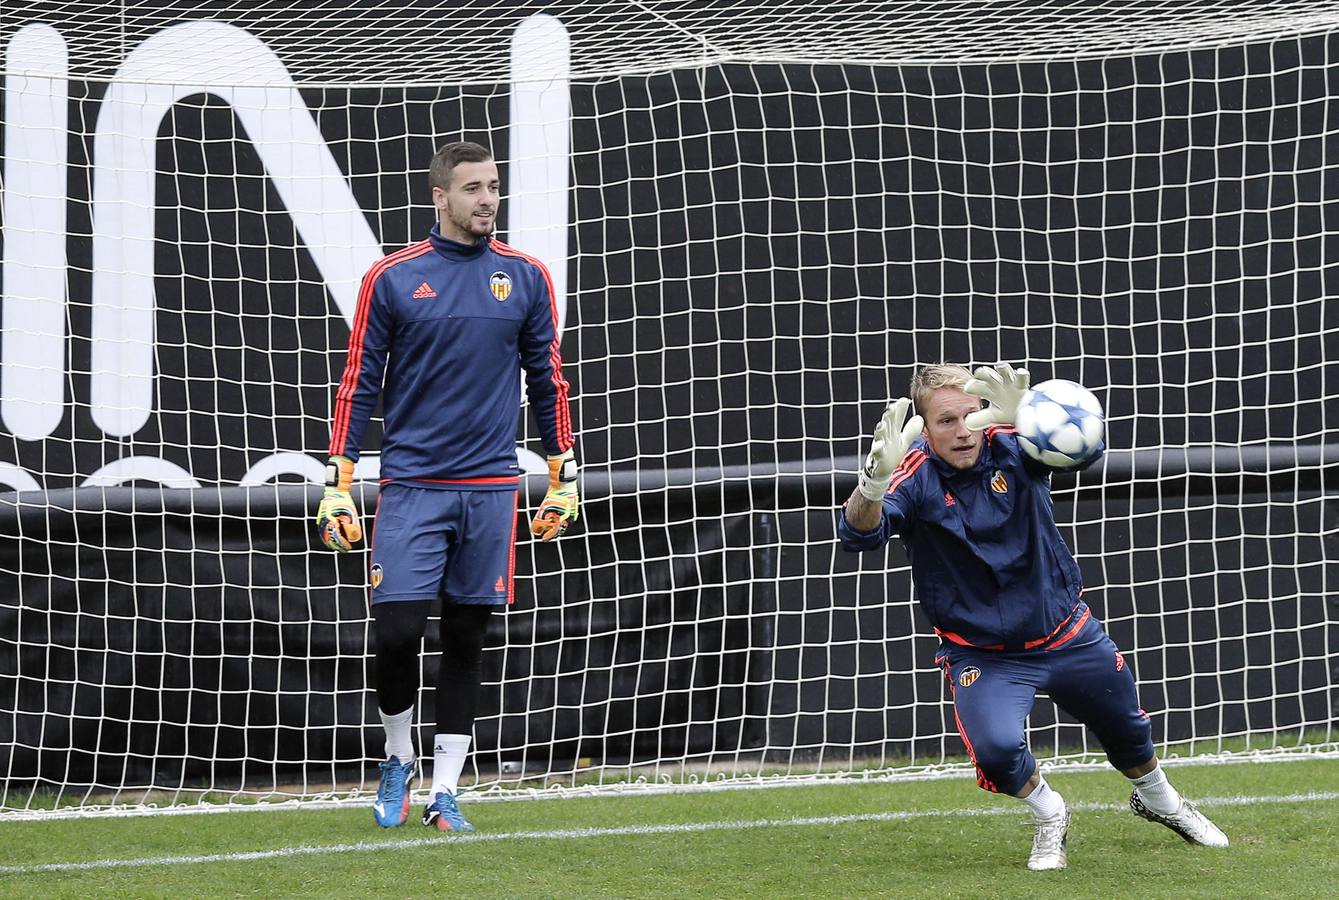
{"points": [[1060, 423]]}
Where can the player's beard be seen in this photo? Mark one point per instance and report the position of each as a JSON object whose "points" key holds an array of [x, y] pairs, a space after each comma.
{"points": [[468, 224], [472, 227]]}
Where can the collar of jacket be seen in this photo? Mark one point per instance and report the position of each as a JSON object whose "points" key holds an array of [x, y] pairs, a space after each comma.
{"points": [[454, 249]]}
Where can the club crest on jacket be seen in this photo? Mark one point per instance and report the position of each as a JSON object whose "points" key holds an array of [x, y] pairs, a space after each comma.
{"points": [[500, 284]]}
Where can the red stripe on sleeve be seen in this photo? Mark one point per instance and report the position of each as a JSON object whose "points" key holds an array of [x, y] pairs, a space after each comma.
{"points": [[563, 414], [913, 461], [348, 383]]}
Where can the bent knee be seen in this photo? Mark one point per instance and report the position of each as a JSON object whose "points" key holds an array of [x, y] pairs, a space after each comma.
{"points": [[1003, 766], [1131, 745]]}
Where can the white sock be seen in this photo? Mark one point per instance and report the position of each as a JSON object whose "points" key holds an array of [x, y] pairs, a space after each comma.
{"points": [[1046, 804], [448, 760], [1157, 792], [399, 730]]}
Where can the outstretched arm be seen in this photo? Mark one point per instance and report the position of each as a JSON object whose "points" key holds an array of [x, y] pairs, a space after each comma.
{"points": [[862, 514], [892, 438]]}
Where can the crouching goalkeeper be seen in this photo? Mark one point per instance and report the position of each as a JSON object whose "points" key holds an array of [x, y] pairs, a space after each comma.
{"points": [[1004, 594], [442, 331]]}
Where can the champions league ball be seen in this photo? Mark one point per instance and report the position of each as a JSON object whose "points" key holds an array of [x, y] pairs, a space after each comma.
{"points": [[1060, 423]]}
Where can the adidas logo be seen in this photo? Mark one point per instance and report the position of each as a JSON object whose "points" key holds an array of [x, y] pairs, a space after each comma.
{"points": [[424, 291]]}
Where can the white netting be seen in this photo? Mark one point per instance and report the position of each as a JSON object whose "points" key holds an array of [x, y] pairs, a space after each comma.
{"points": [[775, 211], [422, 42]]}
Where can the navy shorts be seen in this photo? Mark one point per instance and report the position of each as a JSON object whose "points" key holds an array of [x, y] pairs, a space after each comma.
{"points": [[1088, 678], [457, 545]]}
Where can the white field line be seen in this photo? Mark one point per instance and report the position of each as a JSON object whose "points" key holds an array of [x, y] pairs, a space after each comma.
{"points": [[580, 833]]}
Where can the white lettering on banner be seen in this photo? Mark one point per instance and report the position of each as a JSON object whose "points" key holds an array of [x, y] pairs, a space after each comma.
{"points": [[248, 76], [541, 113], [141, 468], [251, 79], [13, 477], [367, 468], [278, 464], [32, 350]]}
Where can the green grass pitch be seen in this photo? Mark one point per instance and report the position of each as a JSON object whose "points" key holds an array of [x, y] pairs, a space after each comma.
{"points": [[935, 839]]}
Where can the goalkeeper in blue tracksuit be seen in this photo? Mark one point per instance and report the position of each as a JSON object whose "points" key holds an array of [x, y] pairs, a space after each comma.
{"points": [[1004, 594], [442, 332]]}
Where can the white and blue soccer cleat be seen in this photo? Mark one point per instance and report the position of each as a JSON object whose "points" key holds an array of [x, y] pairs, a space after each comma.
{"points": [[444, 814], [1193, 826], [392, 806]]}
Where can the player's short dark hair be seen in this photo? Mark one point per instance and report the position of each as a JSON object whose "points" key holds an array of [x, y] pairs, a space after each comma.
{"points": [[445, 160]]}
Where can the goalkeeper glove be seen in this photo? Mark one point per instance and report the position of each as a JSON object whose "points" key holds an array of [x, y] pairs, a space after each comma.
{"points": [[1003, 388], [892, 438], [337, 517], [559, 508]]}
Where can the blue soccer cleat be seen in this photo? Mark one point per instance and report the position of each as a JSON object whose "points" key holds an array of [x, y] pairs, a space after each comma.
{"points": [[392, 806], [443, 813]]}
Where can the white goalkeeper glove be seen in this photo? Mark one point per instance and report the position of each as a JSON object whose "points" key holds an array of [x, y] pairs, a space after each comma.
{"points": [[561, 504], [1003, 388], [337, 516], [892, 438]]}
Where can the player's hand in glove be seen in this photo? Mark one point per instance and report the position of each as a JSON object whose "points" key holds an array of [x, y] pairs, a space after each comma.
{"points": [[892, 437], [1003, 388], [337, 517], [560, 506]]}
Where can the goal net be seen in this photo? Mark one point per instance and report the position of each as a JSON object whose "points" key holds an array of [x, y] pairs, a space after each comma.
{"points": [[760, 218]]}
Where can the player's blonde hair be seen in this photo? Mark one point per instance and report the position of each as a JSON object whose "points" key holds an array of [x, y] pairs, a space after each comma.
{"points": [[931, 378]]}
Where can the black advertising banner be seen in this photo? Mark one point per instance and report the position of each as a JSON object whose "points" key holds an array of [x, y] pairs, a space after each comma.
{"points": [[750, 260]]}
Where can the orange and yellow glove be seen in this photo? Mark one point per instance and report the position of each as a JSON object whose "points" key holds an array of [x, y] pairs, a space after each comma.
{"points": [[337, 516], [560, 506]]}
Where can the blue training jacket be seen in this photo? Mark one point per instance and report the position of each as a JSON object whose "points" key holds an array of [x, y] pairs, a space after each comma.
{"points": [[441, 334], [989, 566]]}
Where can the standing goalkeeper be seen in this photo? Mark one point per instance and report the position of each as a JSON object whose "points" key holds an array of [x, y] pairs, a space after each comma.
{"points": [[1004, 595], [442, 331]]}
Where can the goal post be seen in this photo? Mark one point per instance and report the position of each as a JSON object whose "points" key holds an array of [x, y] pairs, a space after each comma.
{"points": [[761, 219]]}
